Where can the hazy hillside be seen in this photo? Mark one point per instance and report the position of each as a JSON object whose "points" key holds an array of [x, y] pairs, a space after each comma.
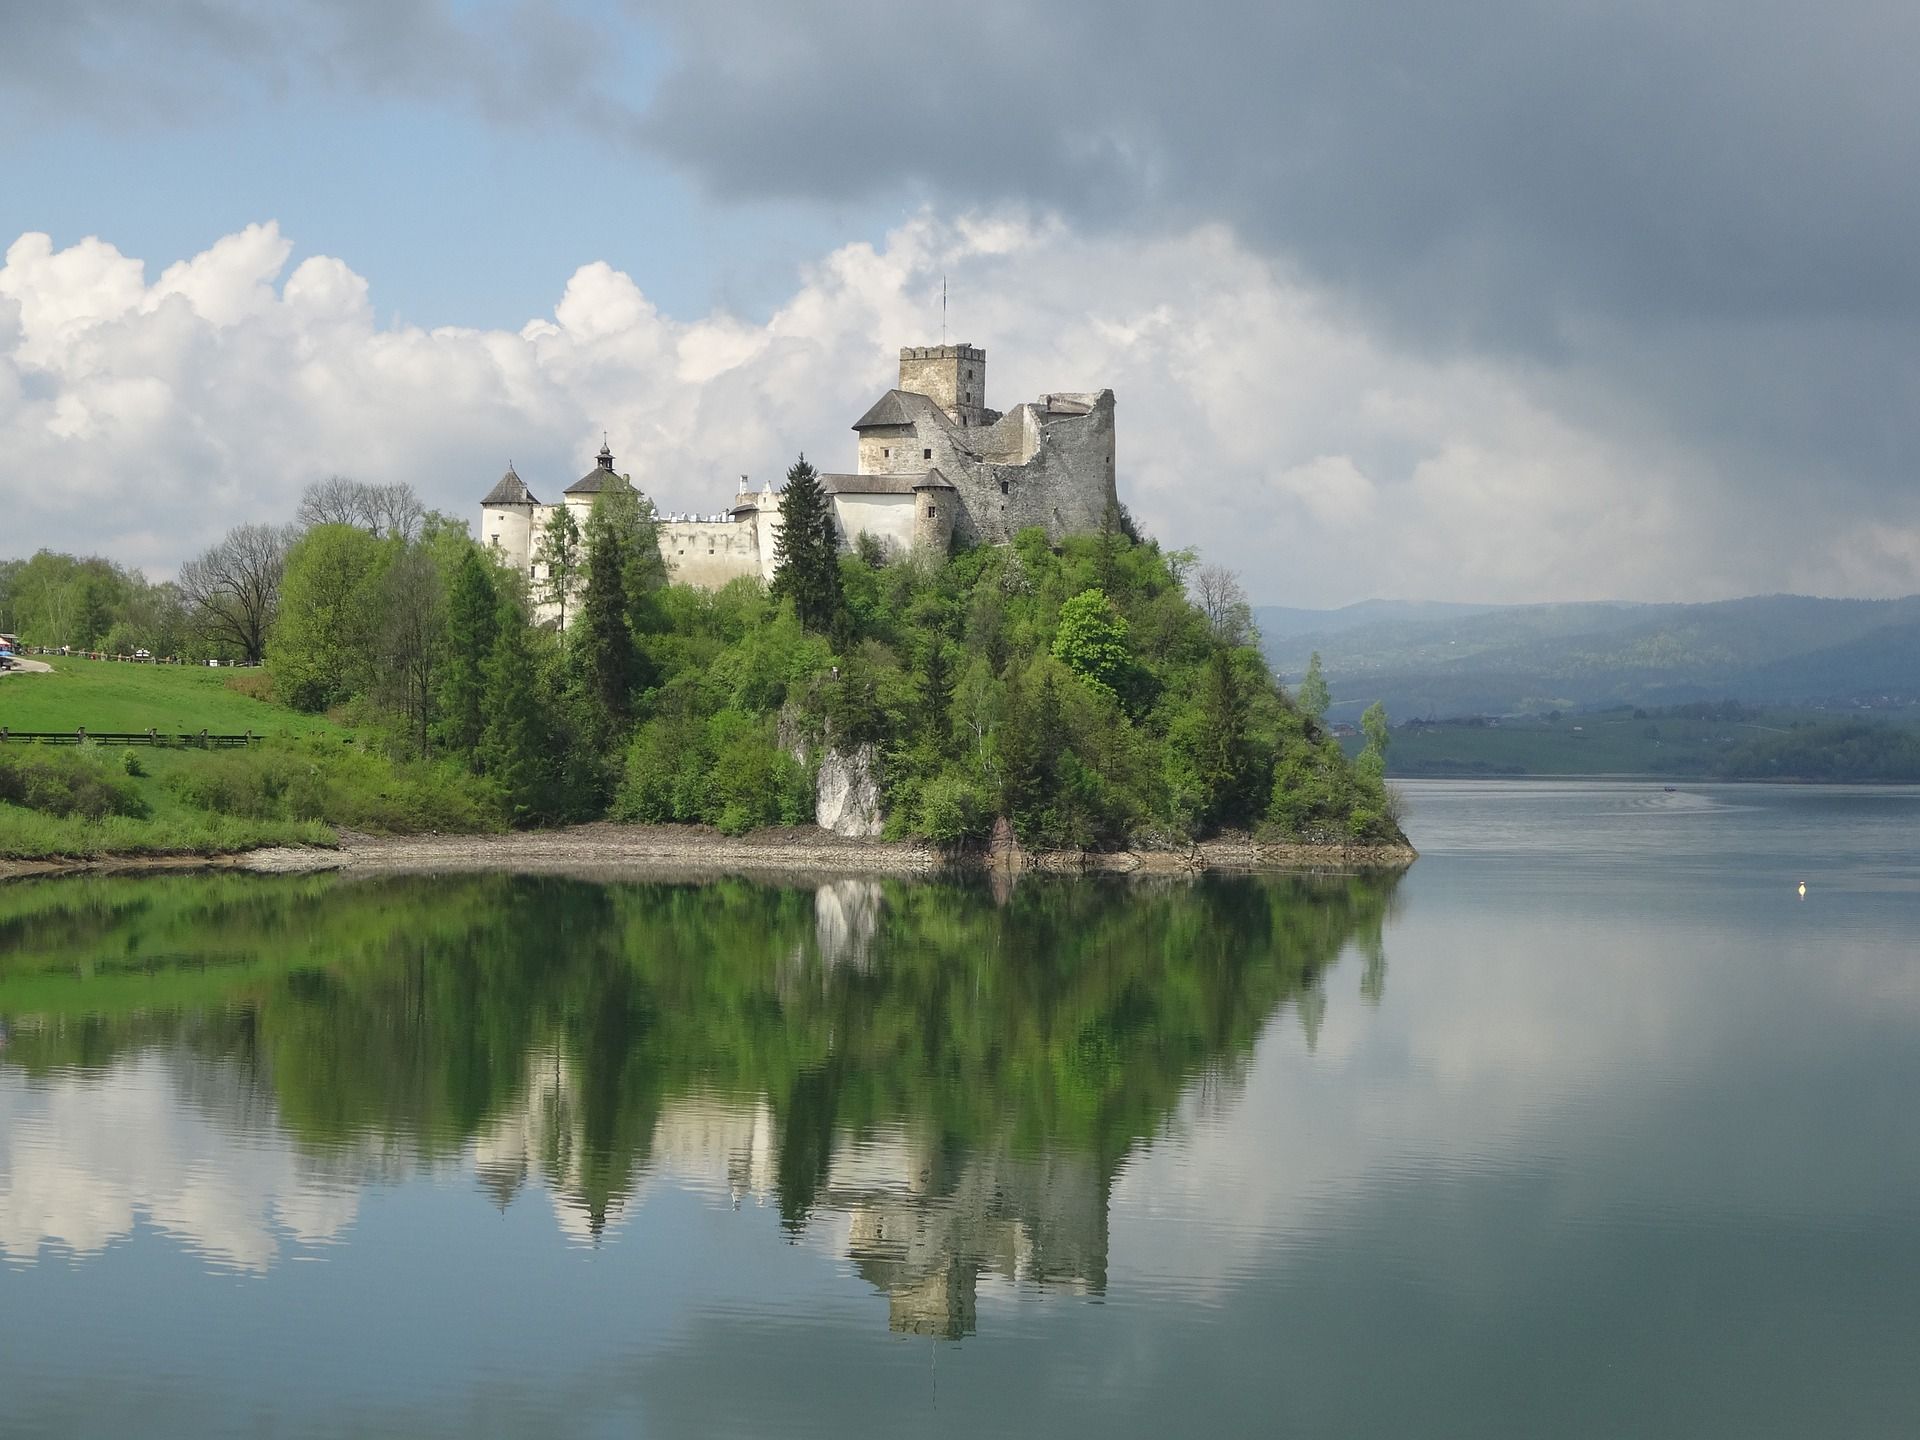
{"points": [[1771, 649]]}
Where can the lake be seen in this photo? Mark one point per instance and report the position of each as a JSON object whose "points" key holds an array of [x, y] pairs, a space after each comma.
{"points": [[1590, 1125]]}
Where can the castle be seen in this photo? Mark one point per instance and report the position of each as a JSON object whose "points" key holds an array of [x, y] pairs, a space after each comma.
{"points": [[933, 465]]}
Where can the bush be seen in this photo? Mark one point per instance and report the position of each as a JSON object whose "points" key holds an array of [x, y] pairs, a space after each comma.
{"points": [[954, 810], [66, 783]]}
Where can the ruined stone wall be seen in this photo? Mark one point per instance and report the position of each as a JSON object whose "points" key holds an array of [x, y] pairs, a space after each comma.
{"points": [[1064, 489]]}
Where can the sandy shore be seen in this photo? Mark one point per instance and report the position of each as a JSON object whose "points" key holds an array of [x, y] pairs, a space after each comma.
{"points": [[606, 850]]}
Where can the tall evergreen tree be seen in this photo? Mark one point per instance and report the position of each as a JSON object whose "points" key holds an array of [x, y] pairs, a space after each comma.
{"points": [[1313, 696], [511, 748], [473, 623], [603, 644], [806, 553], [1226, 752]]}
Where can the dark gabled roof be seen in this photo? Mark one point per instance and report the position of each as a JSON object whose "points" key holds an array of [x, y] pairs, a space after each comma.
{"points": [[883, 484], [890, 409], [511, 490], [598, 478]]}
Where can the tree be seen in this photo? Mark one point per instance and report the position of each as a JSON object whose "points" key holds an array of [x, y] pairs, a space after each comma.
{"points": [[1227, 769], [323, 644], [473, 620], [1371, 763], [559, 551], [380, 510], [234, 588], [412, 639], [1218, 593], [1091, 641], [512, 744], [602, 643], [1313, 697], [806, 553]]}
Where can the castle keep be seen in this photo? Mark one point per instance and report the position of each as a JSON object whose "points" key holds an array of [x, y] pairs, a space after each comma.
{"points": [[932, 464]]}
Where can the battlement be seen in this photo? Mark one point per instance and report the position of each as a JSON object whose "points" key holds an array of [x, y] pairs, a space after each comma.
{"points": [[942, 352], [954, 377]]}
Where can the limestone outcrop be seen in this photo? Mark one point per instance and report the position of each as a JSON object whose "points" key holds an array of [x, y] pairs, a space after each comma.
{"points": [[847, 794]]}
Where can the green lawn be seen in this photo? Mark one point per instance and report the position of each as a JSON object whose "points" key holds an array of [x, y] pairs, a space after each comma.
{"points": [[104, 696]]}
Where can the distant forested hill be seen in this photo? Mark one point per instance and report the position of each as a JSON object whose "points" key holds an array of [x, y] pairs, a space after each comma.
{"points": [[1443, 660]]}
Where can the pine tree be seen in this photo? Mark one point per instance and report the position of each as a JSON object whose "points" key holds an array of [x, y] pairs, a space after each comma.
{"points": [[472, 625], [806, 553], [603, 644], [511, 747], [1226, 754]]}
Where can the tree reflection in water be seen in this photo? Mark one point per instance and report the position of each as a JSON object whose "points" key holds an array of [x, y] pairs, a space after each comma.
{"points": [[957, 1072]]}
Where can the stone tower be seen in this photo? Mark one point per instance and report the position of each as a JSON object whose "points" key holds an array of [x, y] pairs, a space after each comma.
{"points": [[954, 377]]}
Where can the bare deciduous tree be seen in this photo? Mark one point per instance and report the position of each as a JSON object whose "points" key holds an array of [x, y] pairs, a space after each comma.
{"points": [[1221, 598], [335, 500], [381, 509], [234, 589], [396, 510]]}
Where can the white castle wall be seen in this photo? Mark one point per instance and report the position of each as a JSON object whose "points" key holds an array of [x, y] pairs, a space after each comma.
{"points": [[888, 518]]}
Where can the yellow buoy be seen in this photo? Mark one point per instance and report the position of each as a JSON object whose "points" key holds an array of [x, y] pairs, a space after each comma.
{"points": [[1803, 887]]}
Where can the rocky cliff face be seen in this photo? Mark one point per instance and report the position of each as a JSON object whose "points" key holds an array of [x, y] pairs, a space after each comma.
{"points": [[847, 794]]}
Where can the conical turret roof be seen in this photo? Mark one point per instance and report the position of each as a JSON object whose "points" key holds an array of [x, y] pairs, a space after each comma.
{"points": [[511, 490]]}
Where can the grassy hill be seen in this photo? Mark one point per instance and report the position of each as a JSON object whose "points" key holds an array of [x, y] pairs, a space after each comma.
{"points": [[105, 696], [307, 776]]}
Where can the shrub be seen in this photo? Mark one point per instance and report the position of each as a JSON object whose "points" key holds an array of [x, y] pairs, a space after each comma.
{"points": [[66, 783]]}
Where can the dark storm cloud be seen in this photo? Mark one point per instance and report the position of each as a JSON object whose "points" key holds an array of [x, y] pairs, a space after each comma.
{"points": [[132, 62], [1704, 210]]}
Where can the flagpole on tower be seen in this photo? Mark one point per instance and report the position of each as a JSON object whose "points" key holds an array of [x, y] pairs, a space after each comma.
{"points": [[943, 309]]}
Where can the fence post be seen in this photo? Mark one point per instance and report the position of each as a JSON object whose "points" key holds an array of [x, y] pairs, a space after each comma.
{"points": [[82, 733]]}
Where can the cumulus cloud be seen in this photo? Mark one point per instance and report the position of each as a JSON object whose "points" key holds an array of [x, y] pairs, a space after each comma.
{"points": [[1260, 421]]}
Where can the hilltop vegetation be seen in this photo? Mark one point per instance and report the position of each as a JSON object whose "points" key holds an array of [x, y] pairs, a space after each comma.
{"points": [[1078, 692]]}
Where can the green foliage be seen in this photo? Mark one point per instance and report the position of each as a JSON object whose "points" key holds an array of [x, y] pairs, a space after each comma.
{"points": [[321, 648], [1090, 639], [473, 620], [727, 770], [1314, 697], [1852, 751], [806, 553], [559, 552], [65, 782], [512, 748]]}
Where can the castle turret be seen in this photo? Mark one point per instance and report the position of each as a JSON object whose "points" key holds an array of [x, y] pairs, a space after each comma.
{"points": [[506, 520], [954, 377]]}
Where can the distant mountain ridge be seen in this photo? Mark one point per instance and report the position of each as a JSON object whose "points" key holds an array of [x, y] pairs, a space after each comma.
{"points": [[1425, 659]]}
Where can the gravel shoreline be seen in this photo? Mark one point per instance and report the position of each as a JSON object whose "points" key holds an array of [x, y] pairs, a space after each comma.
{"points": [[604, 849]]}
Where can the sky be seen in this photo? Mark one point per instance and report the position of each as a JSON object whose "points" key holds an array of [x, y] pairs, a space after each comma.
{"points": [[1480, 301]]}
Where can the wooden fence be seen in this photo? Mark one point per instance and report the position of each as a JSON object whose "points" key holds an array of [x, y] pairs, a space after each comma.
{"points": [[200, 741]]}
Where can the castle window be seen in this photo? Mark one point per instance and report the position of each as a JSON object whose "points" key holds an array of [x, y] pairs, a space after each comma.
{"points": [[969, 373], [932, 510], [1006, 488], [926, 454], [886, 453]]}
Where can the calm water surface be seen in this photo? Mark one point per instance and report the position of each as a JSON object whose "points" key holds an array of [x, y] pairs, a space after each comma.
{"points": [[1591, 1125]]}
